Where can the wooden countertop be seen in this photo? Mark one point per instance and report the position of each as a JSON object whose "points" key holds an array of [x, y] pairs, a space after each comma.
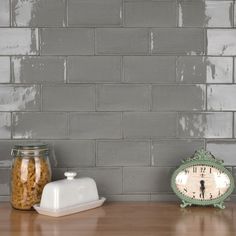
{"points": [[131, 219]]}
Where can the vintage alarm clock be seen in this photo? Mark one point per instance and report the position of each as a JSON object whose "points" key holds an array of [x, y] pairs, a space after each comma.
{"points": [[202, 180]]}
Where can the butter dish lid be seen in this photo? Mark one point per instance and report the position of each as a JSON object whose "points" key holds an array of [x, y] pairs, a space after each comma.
{"points": [[68, 192]]}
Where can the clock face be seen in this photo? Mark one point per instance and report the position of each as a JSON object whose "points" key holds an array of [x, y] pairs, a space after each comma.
{"points": [[202, 182]]}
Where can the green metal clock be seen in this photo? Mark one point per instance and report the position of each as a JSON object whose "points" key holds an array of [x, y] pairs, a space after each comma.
{"points": [[202, 180]]}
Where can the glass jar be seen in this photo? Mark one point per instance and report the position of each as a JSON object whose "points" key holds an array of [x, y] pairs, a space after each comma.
{"points": [[31, 171]]}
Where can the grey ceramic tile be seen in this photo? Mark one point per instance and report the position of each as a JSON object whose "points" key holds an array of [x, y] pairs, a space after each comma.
{"points": [[178, 41], [5, 150], [73, 153], [149, 124], [68, 98], [178, 97], [123, 153], [122, 41], [223, 149], [108, 180], [146, 14], [69, 41], [95, 125], [5, 125], [204, 69], [19, 98], [221, 42], [36, 13], [94, 69], [5, 181], [5, 198], [39, 125], [207, 125], [95, 12], [34, 69], [221, 97], [4, 13], [149, 69], [15, 41], [164, 197], [126, 97], [58, 173], [205, 13], [5, 70], [147, 179], [128, 198], [172, 152]]}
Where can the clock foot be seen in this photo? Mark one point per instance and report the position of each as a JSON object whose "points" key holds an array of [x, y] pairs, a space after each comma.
{"points": [[220, 205], [185, 204]]}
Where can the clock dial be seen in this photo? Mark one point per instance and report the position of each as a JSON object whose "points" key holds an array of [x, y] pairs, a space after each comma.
{"points": [[202, 182]]}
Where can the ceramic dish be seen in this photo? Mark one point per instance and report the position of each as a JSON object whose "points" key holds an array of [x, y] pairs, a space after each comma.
{"points": [[69, 196], [69, 210]]}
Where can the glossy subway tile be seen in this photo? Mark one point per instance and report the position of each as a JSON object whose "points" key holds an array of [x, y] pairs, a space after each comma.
{"points": [[149, 69], [172, 152], [221, 42], [125, 97], [123, 153], [147, 179], [73, 153], [205, 125], [221, 97], [95, 13], [68, 98], [205, 13], [19, 41], [122, 41], [204, 69], [39, 125], [178, 97], [19, 98], [105, 69], [183, 41], [38, 69], [36, 13], [67, 41], [95, 125], [149, 124], [223, 149], [150, 14]]}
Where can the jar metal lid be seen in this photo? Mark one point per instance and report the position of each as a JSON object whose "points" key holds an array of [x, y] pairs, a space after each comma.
{"points": [[30, 149]]}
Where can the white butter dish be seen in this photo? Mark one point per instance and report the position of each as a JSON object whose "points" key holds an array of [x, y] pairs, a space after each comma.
{"points": [[68, 196], [69, 210]]}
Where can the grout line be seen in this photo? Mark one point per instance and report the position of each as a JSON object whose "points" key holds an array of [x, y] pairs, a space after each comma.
{"points": [[10, 15], [96, 153], [41, 97], [96, 97], [67, 13], [234, 71], [122, 70], [233, 125]]}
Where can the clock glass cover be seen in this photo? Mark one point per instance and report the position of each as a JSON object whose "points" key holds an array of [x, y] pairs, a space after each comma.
{"points": [[202, 182]]}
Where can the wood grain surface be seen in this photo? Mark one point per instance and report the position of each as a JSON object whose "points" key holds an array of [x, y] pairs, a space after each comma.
{"points": [[131, 219]]}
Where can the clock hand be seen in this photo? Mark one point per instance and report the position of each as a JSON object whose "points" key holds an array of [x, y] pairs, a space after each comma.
{"points": [[202, 188]]}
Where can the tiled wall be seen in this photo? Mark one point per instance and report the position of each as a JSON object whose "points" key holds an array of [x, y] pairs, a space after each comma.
{"points": [[123, 89]]}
